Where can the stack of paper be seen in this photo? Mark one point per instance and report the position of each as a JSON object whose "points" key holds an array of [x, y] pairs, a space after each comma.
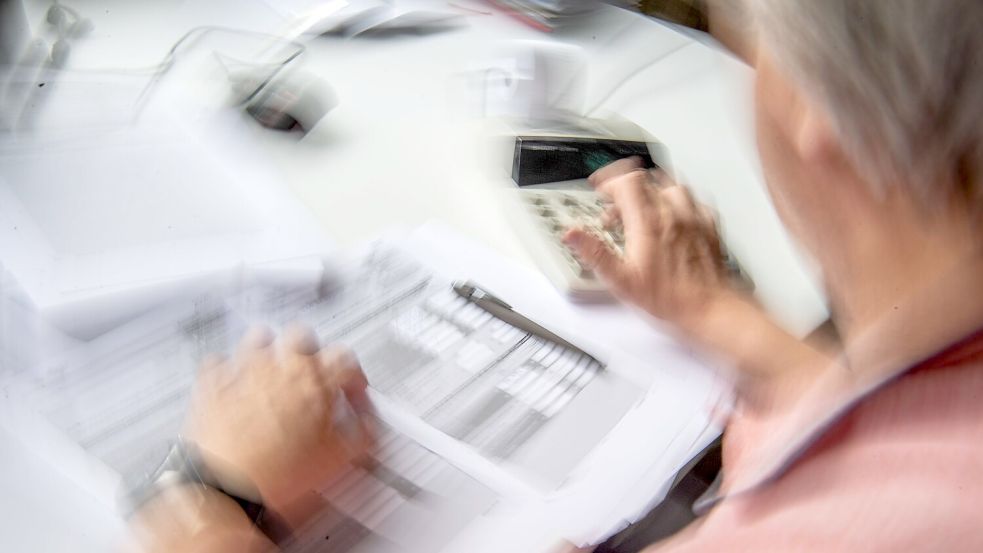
{"points": [[98, 224]]}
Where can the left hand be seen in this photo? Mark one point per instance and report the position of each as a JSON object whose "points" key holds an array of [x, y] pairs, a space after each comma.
{"points": [[282, 415]]}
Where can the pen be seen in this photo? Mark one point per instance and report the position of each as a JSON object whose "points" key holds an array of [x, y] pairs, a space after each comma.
{"points": [[504, 312]]}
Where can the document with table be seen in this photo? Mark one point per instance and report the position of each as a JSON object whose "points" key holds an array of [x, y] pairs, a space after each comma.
{"points": [[480, 417]]}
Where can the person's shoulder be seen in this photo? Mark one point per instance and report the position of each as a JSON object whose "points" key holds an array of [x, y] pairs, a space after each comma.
{"points": [[899, 472], [942, 402]]}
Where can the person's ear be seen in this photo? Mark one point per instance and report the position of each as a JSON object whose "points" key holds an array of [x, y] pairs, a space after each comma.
{"points": [[823, 155], [815, 140]]}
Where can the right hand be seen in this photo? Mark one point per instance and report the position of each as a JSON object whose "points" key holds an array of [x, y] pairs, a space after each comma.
{"points": [[672, 264], [283, 416]]}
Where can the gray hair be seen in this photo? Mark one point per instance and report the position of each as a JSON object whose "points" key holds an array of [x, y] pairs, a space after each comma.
{"points": [[901, 80]]}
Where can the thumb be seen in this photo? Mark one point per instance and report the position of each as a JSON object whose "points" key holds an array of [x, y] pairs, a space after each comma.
{"points": [[597, 255]]}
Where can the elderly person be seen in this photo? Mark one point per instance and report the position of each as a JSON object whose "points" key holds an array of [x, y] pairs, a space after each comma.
{"points": [[870, 132]]}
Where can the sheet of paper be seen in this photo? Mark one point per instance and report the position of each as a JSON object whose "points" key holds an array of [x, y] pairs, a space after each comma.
{"points": [[402, 498], [106, 412], [137, 213]]}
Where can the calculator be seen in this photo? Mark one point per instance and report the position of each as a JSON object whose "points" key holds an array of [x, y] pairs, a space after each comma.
{"points": [[549, 170], [551, 212]]}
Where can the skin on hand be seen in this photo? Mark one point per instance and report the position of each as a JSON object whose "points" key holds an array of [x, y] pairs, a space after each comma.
{"points": [[282, 418], [673, 268], [195, 520], [672, 265]]}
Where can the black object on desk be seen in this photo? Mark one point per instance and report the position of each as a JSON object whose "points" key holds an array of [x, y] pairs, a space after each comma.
{"points": [[675, 511]]}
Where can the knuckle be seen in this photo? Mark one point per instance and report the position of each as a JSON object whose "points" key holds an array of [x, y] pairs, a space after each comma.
{"points": [[637, 178]]}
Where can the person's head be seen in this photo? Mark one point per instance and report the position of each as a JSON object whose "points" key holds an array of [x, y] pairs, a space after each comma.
{"points": [[869, 116]]}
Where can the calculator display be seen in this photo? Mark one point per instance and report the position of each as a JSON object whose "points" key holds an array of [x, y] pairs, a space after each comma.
{"points": [[541, 160]]}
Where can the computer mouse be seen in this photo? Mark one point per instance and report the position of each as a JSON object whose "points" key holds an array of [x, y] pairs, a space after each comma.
{"points": [[297, 100]]}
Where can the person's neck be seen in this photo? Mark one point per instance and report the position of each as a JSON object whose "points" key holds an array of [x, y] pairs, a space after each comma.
{"points": [[906, 266]]}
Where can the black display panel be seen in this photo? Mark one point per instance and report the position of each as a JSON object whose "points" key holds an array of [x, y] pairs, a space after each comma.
{"points": [[539, 160]]}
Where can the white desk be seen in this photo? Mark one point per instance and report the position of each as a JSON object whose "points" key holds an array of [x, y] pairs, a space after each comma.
{"points": [[396, 135], [397, 152], [400, 150]]}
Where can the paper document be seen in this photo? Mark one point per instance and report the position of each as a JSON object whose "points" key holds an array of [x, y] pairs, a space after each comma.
{"points": [[98, 224], [582, 445], [402, 498], [490, 385]]}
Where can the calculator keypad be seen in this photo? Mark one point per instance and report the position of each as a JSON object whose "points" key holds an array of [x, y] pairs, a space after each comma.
{"points": [[559, 211], [556, 211]]}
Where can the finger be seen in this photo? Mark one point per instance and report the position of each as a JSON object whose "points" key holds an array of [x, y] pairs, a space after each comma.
{"points": [[342, 369], [254, 353], [211, 362], [296, 356], [615, 169], [610, 217], [708, 216], [352, 407], [595, 254], [708, 220], [300, 339], [682, 206], [635, 201], [711, 263], [629, 194], [256, 337]]}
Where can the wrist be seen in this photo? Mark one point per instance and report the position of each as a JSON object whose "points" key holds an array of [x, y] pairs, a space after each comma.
{"points": [[732, 325], [713, 320], [231, 477], [772, 366], [189, 517], [188, 473]]}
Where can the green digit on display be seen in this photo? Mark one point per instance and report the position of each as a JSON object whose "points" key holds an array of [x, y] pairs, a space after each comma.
{"points": [[595, 160]]}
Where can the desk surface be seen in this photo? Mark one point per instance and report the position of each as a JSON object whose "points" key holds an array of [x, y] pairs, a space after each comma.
{"points": [[401, 147], [400, 150]]}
